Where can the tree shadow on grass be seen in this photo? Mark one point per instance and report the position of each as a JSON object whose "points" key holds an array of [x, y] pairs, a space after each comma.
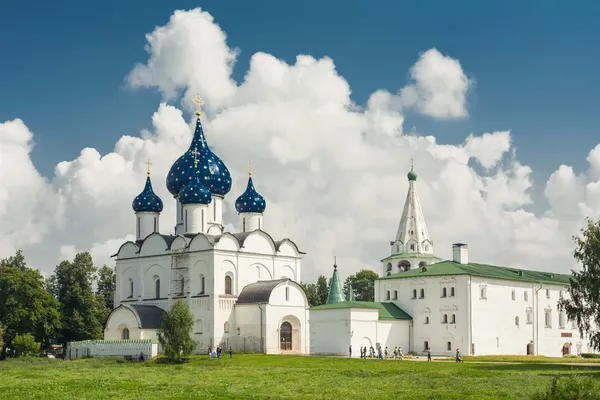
{"points": [[543, 369]]}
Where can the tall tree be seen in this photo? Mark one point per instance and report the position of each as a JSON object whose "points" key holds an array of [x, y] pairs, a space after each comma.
{"points": [[583, 303], [1, 339], [105, 291], [175, 333], [79, 306], [311, 293], [25, 305], [322, 290], [363, 283]]}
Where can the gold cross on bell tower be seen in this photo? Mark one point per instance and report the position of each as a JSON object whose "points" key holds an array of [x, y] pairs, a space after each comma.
{"points": [[148, 163], [250, 165], [198, 100]]}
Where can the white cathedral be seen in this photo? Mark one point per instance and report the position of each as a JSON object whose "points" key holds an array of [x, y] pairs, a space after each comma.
{"points": [[243, 289]]}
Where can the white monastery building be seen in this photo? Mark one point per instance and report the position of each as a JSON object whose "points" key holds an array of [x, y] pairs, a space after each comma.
{"points": [[423, 303], [242, 287]]}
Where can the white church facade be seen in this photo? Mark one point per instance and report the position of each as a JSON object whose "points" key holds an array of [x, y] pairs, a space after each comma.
{"points": [[241, 287]]}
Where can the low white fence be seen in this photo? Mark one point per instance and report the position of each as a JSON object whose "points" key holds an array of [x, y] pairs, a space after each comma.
{"points": [[112, 348]]}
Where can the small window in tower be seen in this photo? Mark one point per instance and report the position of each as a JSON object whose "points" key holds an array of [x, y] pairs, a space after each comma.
{"points": [[453, 320], [426, 320], [445, 319], [422, 294], [395, 295], [287, 294], [449, 346], [186, 221], [157, 289], [514, 295], [547, 293], [138, 227], [412, 247], [452, 291], [227, 284], [202, 288], [414, 293], [130, 289], [387, 295], [244, 224], [154, 224], [182, 285], [444, 292], [412, 232], [426, 345]]}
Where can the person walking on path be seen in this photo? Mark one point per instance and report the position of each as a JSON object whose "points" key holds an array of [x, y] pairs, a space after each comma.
{"points": [[230, 353], [428, 354], [350, 351], [458, 356]]}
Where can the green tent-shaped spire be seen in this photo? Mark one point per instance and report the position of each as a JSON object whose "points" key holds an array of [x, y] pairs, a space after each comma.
{"points": [[336, 294], [350, 293]]}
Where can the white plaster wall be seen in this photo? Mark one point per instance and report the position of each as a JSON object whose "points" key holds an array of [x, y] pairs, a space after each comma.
{"points": [[394, 333], [363, 329], [330, 333], [250, 222], [432, 305], [146, 224], [293, 310]]}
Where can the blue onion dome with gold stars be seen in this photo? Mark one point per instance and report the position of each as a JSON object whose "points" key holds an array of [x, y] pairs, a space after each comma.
{"points": [[211, 169], [250, 201], [147, 201], [195, 192]]}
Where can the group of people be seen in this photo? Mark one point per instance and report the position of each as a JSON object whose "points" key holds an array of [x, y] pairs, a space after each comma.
{"points": [[218, 352], [379, 353]]}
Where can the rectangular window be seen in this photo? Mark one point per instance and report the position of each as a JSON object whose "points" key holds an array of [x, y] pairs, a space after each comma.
{"points": [[445, 319], [547, 293], [453, 320], [449, 346], [530, 316], [422, 294], [387, 295], [514, 295], [526, 295], [395, 295], [154, 224], [414, 293], [138, 227], [452, 291], [202, 285], [287, 294], [548, 318], [444, 292], [483, 293]]}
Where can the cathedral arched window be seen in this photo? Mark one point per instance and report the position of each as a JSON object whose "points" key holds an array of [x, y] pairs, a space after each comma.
{"points": [[125, 334], [422, 294], [287, 294], [453, 320], [414, 294], [445, 319], [202, 287], [426, 320], [130, 288], [157, 289], [387, 295], [517, 321], [155, 225], [228, 284], [226, 327], [395, 295], [449, 346]]}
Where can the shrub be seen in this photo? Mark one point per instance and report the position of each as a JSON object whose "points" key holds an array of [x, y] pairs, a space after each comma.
{"points": [[1, 339], [590, 355], [175, 332], [570, 388], [26, 345]]}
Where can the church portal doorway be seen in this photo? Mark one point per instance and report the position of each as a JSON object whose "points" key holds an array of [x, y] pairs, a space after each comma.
{"points": [[285, 336], [566, 349]]}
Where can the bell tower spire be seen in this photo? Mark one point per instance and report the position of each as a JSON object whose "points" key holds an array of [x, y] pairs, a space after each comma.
{"points": [[412, 247]]}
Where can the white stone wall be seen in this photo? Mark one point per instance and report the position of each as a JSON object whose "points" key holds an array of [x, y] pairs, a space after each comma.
{"points": [[293, 309], [432, 307], [109, 348], [146, 223]]}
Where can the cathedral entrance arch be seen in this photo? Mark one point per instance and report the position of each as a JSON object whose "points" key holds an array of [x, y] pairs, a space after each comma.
{"points": [[566, 349], [289, 334]]}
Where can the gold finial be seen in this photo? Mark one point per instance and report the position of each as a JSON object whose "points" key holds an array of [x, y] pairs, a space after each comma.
{"points": [[412, 163], [195, 153], [148, 163], [198, 100], [250, 165]]}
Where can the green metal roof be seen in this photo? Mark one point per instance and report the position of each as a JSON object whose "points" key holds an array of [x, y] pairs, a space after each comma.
{"points": [[386, 310], [445, 268], [336, 294]]}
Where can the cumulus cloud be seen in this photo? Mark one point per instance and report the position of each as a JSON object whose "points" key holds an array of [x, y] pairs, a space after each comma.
{"points": [[333, 173]]}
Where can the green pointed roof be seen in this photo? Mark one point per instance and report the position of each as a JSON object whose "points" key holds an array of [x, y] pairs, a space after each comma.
{"points": [[350, 293], [336, 294]]}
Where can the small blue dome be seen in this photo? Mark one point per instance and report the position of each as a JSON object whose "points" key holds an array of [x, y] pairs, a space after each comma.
{"points": [[211, 170], [147, 201], [195, 192], [250, 201]]}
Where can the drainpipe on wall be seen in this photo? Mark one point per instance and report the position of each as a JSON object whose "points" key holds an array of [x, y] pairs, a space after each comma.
{"points": [[262, 341], [470, 305], [536, 327]]}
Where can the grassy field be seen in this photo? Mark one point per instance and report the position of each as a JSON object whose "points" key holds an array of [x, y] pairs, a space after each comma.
{"points": [[262, 376]]}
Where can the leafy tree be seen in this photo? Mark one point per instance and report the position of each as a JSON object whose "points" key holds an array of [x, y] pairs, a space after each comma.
{"points": [[25, 305], [107, 282], [1, 339], [322, 290], [583, 304], [311, 293], [363, 283], [175, 332], [79, 306], [25, 345]]}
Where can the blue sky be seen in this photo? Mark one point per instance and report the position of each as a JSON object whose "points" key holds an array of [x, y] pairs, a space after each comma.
{"points": [[535, 65]]}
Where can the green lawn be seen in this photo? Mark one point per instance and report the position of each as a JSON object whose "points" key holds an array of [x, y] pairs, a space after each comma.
{"points": [[262, 376]]}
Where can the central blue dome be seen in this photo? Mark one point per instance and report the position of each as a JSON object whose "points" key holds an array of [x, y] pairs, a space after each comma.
{"points": [[147, 201], [211, 170], [250, 201]]}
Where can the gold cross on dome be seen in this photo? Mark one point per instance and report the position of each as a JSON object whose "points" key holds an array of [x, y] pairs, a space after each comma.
{"points": [[250, 165], [148, 163], [198, 100], [195, 153]]}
